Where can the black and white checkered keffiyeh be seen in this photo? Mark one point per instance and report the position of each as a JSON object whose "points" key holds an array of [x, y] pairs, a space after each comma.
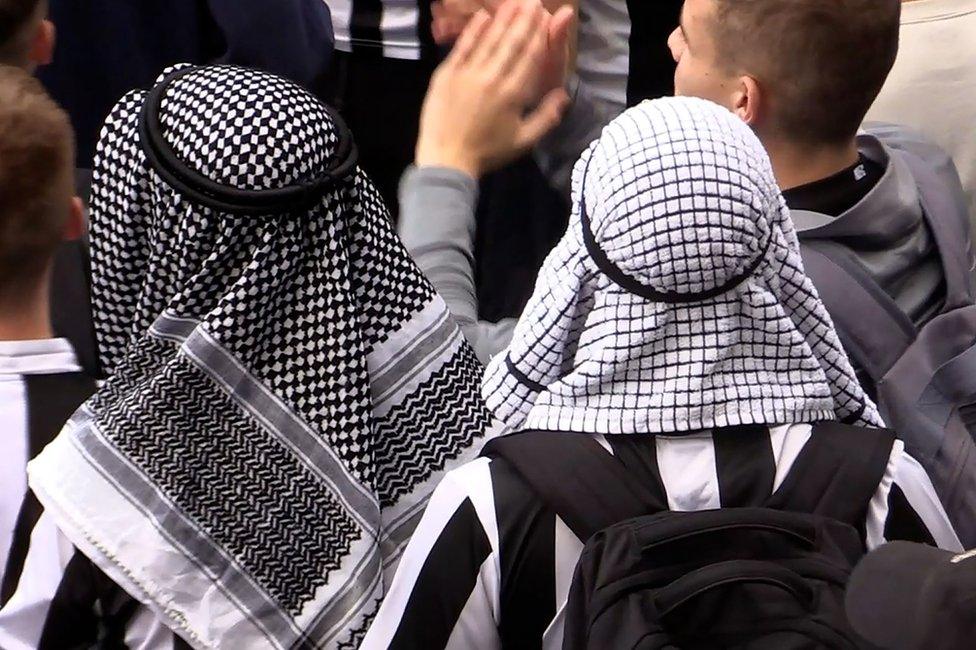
{"points": [[677, 299], [285, 389]]}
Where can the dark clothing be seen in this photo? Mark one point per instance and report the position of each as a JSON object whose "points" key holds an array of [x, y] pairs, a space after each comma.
{"points": [[490, 564], [520, 218], [884, 227], [71, 315], [380, 99], [107, 47], [651, 73], [837, 194], [49, 400]]}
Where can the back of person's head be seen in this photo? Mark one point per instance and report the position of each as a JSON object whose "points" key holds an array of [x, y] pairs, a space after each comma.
{"points": [[26, 38], [247, 279], [36, 181], [812, 67], [676, 301]]}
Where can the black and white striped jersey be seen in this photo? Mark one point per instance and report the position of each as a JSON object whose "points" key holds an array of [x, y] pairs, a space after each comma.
{"points": [[623, 49], [397, 29], [490, 566], [62, 600], [33, 374]]}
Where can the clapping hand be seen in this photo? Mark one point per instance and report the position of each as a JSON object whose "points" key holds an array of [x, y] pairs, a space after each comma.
{"points": [[494, 97], [450, 17]]}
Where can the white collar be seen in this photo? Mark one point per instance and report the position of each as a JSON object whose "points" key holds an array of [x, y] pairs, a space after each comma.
{"points": [[38, 357]]}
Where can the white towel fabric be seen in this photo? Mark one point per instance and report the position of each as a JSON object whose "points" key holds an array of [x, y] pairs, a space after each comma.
{"points": [[688, 308]]}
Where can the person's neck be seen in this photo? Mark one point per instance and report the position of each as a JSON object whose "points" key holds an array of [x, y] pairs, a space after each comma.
{"points": [[795, 165], [26, 319]]}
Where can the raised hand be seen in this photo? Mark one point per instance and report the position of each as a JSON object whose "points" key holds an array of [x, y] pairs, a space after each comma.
{"points": [[477, 113]]}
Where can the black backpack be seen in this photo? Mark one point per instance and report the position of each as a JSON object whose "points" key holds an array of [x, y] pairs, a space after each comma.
{"points": [[923, 378], [757, 577]]}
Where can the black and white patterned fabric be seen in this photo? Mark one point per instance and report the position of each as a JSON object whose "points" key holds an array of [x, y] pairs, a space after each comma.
{"points": [[677, 299], [285, 389]]}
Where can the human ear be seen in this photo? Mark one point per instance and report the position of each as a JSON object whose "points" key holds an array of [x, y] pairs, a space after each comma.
{"points": [[747, 100], [42, 46], [74, 227], [676, 44]]}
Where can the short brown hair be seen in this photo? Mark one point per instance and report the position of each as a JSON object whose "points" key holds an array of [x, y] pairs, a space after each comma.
{"points": [[15, 18], [825, 60], [36, 177]]}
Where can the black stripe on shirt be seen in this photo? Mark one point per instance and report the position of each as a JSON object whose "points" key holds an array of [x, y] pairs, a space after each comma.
{"points": [[71, 620], [745, 466], [364, 26], [30, 512], [639, 455], [903, 523], [837, 473], [526, 530], [445, 582], [428, 47], [51, 400]]}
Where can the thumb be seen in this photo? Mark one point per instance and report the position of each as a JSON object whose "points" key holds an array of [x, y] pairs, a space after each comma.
{"points": [[546, 116]]}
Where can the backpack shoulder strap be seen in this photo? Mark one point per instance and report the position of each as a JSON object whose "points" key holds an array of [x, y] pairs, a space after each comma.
{"points": [[51, 400], [950, 227], [589, 488], [872, 328], [837, 473]]}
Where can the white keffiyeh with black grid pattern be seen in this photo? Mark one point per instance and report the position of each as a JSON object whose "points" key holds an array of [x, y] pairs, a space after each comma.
{"points": [[285, 390], [708, 321]]}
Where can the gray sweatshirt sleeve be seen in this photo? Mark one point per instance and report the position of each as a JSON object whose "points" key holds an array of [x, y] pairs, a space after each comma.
{"points": [[583, 123], [437, 225]]}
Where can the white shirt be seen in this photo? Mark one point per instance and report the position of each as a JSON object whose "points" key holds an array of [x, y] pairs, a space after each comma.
{"points": [[17, 359], [932, 87]]}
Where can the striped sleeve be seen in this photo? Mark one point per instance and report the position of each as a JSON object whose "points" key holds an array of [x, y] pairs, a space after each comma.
{"points": [[906, 507], [62, 601], [446, 590]]}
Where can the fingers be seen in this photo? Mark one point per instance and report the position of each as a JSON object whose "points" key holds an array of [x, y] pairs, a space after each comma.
{"points": [[496, 32], [526, 34], [543, 119], [525, 68], [471, 38]]}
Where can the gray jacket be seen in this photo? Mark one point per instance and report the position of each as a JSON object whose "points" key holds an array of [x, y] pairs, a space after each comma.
{"points": [[886, 231]]}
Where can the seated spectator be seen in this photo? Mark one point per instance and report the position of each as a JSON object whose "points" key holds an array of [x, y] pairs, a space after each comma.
{"points": [[931, 86], [856, 200], [26, 36], [41, 383], [674, 329], [806, 98], [285, 388]]}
